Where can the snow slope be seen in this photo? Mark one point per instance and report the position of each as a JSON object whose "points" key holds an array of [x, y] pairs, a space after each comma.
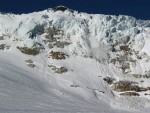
{"points": [[91, 43]]}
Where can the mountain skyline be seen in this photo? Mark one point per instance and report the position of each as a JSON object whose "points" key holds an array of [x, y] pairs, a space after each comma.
{"points": [[138, 9]]}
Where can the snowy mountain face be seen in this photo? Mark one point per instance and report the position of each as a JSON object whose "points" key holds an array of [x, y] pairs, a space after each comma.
{"points": [[59, 60]]}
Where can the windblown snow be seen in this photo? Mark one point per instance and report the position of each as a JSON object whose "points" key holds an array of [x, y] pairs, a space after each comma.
{"points": [[62, 61]]}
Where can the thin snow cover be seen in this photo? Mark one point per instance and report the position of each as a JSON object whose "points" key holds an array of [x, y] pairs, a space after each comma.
{"points": [[71, 55]]}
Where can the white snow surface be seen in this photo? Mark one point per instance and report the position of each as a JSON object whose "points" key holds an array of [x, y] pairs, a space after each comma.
{"points": [[41, 90]]}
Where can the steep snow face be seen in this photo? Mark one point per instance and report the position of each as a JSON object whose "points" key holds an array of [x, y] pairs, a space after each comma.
{"points": [[89, 27], [88, 32], [65, 61], [90, 35]]}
